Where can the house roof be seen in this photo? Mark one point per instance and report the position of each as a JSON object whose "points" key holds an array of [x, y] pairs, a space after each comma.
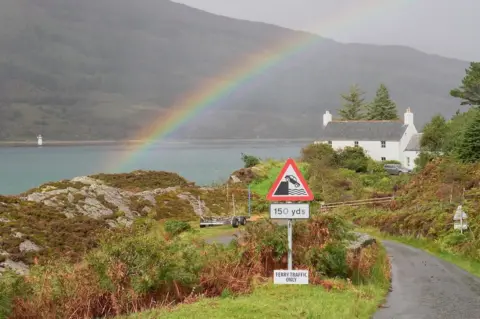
{"points": [[414, 143], [363, 131]]}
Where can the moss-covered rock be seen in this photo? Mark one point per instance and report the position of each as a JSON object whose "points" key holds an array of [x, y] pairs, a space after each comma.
{"points": [[143, 180], [64, 218]]}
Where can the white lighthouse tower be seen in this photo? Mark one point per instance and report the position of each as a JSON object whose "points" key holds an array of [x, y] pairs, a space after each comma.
{"points": [[39, 140]]}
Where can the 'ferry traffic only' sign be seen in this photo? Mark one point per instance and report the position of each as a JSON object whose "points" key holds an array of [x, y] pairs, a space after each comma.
{"points": [[290, 186], [290, 277]]}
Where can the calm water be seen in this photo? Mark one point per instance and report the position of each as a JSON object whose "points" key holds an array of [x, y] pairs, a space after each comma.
{"points": [[22, 168]]}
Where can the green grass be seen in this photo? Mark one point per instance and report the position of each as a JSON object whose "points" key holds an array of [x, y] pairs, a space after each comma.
{"points": [[272, 301], [283, 301], [433, 248], [209, 232]]}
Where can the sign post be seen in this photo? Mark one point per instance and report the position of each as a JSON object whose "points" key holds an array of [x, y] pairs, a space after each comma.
{"points": [[461, 216], [290, 186], [249, 203]]}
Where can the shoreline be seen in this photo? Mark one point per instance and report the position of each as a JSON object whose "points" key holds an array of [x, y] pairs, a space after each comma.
{"points": [[53, 143]]}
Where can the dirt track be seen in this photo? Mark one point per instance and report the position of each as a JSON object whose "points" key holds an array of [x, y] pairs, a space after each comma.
{"points": [[424, 286]]}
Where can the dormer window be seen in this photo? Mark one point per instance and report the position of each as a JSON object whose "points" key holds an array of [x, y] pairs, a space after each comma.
{"points": [[384, 144]]}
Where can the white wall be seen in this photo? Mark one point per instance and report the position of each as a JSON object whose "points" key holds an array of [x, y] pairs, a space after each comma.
{"points": [[407, 136], [409, 159], [373, 149]]}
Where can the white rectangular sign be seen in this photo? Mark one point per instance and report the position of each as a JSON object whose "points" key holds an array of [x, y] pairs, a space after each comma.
{"points": [[460, 226], [289, 211], [290, 277]]}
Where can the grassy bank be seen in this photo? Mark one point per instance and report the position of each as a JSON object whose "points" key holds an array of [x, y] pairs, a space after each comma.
{"points": [[469, 264], [334, 299], [146, 267], [281, 302]]}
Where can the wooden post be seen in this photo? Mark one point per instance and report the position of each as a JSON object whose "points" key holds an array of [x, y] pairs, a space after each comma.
{"points": [[200, 205], [233, 203], [451, 194]]}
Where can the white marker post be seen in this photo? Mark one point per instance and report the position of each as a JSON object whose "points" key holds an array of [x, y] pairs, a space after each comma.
{"points": [[290, 186]]}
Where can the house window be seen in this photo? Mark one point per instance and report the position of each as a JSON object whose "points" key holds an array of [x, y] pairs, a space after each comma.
{"points": [[384, 144], [330, 142], [384, 158], [408, 161], [356, 143]]}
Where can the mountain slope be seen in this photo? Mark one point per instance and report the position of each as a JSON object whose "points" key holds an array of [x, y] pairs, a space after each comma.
{"points": [[103, 69]]}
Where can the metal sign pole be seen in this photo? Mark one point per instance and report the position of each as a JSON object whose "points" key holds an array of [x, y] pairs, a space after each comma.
{"points": [[290, 244], [461, 222], [249, 203]]}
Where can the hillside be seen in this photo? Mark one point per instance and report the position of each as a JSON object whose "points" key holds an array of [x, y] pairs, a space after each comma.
{"points": [[90, 70], [66, 218]]}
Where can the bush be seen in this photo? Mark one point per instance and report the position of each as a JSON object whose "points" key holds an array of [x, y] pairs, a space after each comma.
{"points": [[11, 286], [176, 227], [147, 264], [354, 158], [423, 159], [375, 167], [319, 152], [260, 205], [332, 260], [454, 239], [250, 160]]}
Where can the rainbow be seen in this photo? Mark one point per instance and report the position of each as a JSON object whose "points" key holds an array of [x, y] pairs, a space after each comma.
{"points": [[213, 90]]}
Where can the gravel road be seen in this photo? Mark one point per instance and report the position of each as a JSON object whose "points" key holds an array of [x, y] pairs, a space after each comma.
{"points": [[425, 287]]}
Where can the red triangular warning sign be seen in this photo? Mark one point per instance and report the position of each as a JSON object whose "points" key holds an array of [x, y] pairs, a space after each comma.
{"points": [[290, 186]]}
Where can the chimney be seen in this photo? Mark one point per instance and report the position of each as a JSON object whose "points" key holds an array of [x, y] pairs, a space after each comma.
{"points": [[327, 118], [408, 117]]}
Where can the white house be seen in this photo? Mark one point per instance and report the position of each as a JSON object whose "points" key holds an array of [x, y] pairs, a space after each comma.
{"points": [[381, 140]]}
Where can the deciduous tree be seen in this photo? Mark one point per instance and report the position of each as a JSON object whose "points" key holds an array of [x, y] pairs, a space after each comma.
{"points": [[434, 133]]}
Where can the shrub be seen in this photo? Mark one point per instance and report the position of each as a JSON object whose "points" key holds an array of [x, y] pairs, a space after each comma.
{"points": [[250, 160], [454, 239], [332, 260], [423, 159], [375, 167], [260, 205], [148, 263], [319, 152], [176, 227], [353, 158], [11, 286]]}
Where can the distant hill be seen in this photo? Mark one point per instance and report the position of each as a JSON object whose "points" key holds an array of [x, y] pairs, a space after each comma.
{"points": [[101, 69]]}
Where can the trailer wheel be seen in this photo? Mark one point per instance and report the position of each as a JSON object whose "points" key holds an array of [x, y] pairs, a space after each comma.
{"points": [[235, 222], [243, 220]]}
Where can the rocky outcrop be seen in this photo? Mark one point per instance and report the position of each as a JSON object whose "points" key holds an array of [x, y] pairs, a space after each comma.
{"points": [[91, 199], [362, 240]]}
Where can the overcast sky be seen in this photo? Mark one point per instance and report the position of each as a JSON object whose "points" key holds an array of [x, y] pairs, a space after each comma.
{"points": [[446, 27]]}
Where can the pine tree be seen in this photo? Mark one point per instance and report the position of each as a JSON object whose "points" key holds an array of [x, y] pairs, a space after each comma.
{"points": [[434, 133], [469, 90], [353, 104], [469, 148], [382, 107]]}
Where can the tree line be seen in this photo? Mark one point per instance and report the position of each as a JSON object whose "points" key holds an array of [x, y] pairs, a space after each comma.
{"points": [[354, 106], [458, 137]]}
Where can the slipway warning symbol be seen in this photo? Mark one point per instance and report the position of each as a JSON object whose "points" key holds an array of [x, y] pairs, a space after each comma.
{"points": [[290, 185]]}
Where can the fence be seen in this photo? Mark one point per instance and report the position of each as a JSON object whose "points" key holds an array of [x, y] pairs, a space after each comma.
{"points": [[369, 201]]}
